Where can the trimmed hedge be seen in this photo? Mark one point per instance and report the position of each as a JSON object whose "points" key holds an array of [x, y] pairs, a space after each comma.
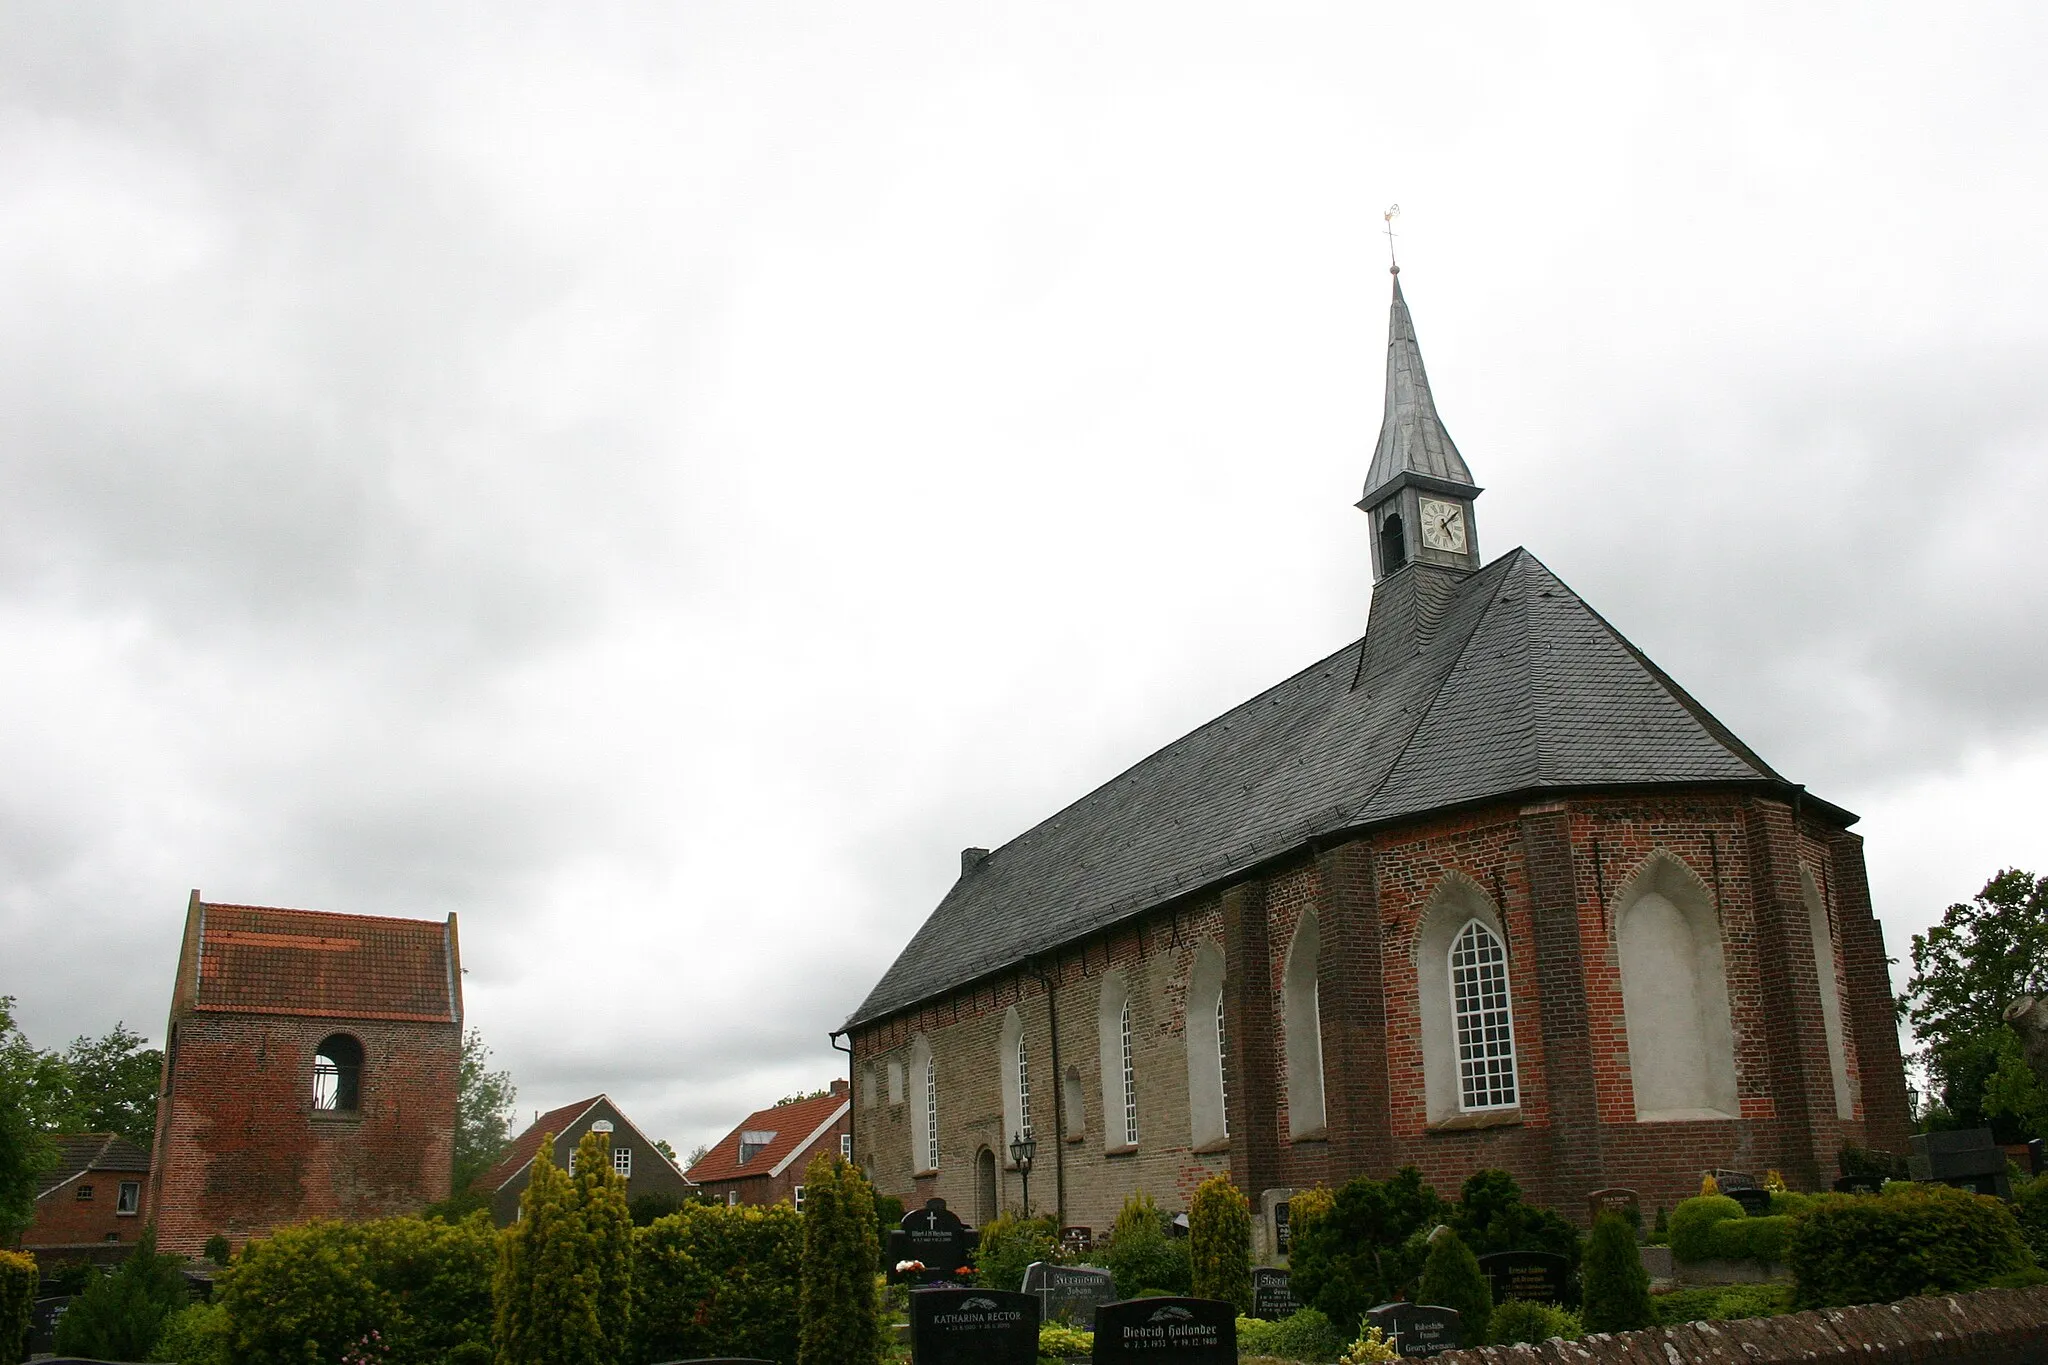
{"points": [[1723, 1304], [1517, 1323], [715, 1281], [1912, 1239], [1692, 1225], [2030, 1206], [1304, 1335]]}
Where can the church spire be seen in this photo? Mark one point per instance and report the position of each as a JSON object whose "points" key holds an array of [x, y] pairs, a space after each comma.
{"points": [[1418, 491]]}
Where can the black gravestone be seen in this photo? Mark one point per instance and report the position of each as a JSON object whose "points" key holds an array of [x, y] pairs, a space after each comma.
{"points": [[1077, 1241], [1273, 1293], [1534, 1276], [1967, 1159], [42, 1322], [1071, 1293], [1616, 1201], [1166, 1331], [1417, 1329], [1859, 1184], [1282, 1242], [1756, 1203], [1731, 1181], [973, 1327], [933, 1236]]}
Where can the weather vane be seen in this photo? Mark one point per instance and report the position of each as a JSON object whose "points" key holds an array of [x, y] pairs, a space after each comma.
{"points": [[1393, 212]]}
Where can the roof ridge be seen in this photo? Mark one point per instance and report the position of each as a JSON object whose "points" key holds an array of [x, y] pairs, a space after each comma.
{"points": [[328, 914], [1436, 693]]}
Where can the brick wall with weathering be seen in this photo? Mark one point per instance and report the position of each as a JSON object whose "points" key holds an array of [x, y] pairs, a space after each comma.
{"points": [[1556, 872]]}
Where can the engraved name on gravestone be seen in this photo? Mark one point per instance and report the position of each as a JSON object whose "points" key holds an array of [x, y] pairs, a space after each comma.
{"points": [[1070, 1293], [42, 1322], [1417, 1330], [933, 1235], [1273, 1293], [1533, 1276], [973, 1327], [1166, 1332]]}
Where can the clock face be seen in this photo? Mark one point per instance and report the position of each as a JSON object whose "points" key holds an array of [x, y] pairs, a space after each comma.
{"points": [[1443, 525]]}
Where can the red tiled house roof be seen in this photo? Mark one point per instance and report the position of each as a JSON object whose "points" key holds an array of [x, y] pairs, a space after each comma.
{"points": [[796, 1126], [266, 960]]}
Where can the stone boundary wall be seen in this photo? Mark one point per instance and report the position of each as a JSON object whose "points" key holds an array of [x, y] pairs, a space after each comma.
{"points": [[1989, 1327]]}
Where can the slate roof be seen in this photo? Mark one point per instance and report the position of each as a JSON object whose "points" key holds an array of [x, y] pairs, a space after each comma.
{"points": [[795, 1125], [78, 1153], [1465, 688], [1412, 436], [273, 961]]}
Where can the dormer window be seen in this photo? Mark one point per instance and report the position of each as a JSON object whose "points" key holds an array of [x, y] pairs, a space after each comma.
{"points": [[752, 1141]]}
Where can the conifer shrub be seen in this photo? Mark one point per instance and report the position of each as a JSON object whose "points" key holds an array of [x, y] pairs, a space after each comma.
{"points": [[1490, 1216], [1008, 1245], [1220, 1243], [547, 1308], [1616, 1294], [1142, 1255], [18, 1279], [1518, 1322], [120, 1316], [606, 1273], [1911, 1239], [1367, 1248], [841, 1324], [1692, 1226], [219, 1249], [1451, 1278], [711, 1281], [1765, 1239]]}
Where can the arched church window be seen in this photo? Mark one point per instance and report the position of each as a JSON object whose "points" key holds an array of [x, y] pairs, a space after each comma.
{"points": [[1302, 998], [1393, 544], [1208, 1083], [1483, 1019], [1119, 1065], [1830, 992], [924, 1106], [1013, 1057], [1464, 1003], [338, 1074], [1674, 992], [1023, 1088], [931, 1114]]}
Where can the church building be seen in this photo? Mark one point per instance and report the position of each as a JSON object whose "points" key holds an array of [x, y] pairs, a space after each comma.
{"points": [[1484, 888]]}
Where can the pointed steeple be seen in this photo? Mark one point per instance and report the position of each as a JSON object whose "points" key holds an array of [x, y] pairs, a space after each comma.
{"points": [[1418, 491]]}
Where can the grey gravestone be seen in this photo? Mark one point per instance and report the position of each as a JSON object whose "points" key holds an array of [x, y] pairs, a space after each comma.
{"points": [[1069, 1292], [973, 1327], [1535, 1276], [933, 1235], [1859, 1184], [1968, 1159], [1417, 1329], [1166, 1332], [1621, 1201], [1270, 1231], [1756, 1203], [1273, 1293]]}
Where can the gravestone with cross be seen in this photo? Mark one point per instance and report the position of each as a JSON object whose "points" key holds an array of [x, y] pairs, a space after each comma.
{"points": [[1417, 1330], [932, 1237], [1070, 1293], [973, 1327], [1273, 1293]]}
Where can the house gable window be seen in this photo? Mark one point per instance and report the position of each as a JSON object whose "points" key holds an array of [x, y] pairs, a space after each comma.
{"points": [[622, 1161], [84, 1195], [129, 1199]]}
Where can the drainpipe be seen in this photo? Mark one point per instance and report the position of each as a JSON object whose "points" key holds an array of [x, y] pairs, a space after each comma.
{"points": [[852, 1104], [1059, 1095]]}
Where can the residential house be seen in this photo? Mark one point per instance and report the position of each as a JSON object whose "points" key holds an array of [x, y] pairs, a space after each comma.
{"points": [[763, 1160], [646, 1168]]}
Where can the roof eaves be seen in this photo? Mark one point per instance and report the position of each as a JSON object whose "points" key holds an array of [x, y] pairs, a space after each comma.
{"points": [[838, 1113]]}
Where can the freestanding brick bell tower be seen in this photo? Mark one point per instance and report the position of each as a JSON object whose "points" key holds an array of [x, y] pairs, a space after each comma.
{"points": [[310, 1071]]}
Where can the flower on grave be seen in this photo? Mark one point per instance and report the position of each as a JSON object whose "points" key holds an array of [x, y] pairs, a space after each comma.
{"points": [[905, 1267]]}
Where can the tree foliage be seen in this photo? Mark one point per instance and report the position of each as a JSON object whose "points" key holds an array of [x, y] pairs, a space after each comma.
{"points": [[18, 1280], [114, 1081], [1451, 1278], [483, 1112], [712, 1281], [1911, 1239], [1981, 957], [120, 1316], [840, 1321], [1368, 1248], [1220, 1242], [1616, 1287], [26, 1077], [1490, 1216]]}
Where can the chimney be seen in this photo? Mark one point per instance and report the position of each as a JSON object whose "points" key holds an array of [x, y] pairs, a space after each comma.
{"points": [[970, 858], [839, 1087]]}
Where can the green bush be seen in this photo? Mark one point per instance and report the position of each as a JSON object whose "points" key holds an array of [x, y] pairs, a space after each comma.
{"points": [[1518, 1322], [120, 1316], [1058, 1340], [1143, 1256], [1451, 1278], [471, 1353], [1220, 1243], [2018, 1279], [888, 1216], [1490, 1216], [219, 1249], [1723, 1304], [1009, 1244], [323, 1288], [1764, 1239], [18, 1279], [715, 1281], [199, 1334], [1692, 1226], [652, 1205], [1785, 1203], [1912, 1239], [1617, 1288], [1308, 1334], [1368, 1248], [2030, 1206], [840, 1321]]}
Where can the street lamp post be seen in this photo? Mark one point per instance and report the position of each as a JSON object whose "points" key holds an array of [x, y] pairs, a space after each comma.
{"points": [[1023, 1147]]}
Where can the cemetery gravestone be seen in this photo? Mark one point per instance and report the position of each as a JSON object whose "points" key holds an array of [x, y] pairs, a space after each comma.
{"points": [[1534, 1276], [1273, 1293], [1967, 1159], [1270, 1233], [42, 1322], [1731, 1181], [1756, 1203], [1621, 1201], [1859, 1184], [973, 1327], [933, 1236], [1417, 1330], [1077, 1241], [1166, 1331], [1071, 1293]]}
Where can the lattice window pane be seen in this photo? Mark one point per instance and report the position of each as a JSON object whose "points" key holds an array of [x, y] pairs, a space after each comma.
{"points": [[1130, 1082], [1223, 1064], [1023, 1087], [931, 1115], [1484, 1019]]}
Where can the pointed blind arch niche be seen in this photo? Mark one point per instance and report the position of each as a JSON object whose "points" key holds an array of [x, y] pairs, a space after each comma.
{"points": [[1208, 1112], [1829, 983], [1674, 990], [1302, 998]]}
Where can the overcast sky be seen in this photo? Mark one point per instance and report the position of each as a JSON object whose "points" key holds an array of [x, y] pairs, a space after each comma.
{"points": [[658, 481]]}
